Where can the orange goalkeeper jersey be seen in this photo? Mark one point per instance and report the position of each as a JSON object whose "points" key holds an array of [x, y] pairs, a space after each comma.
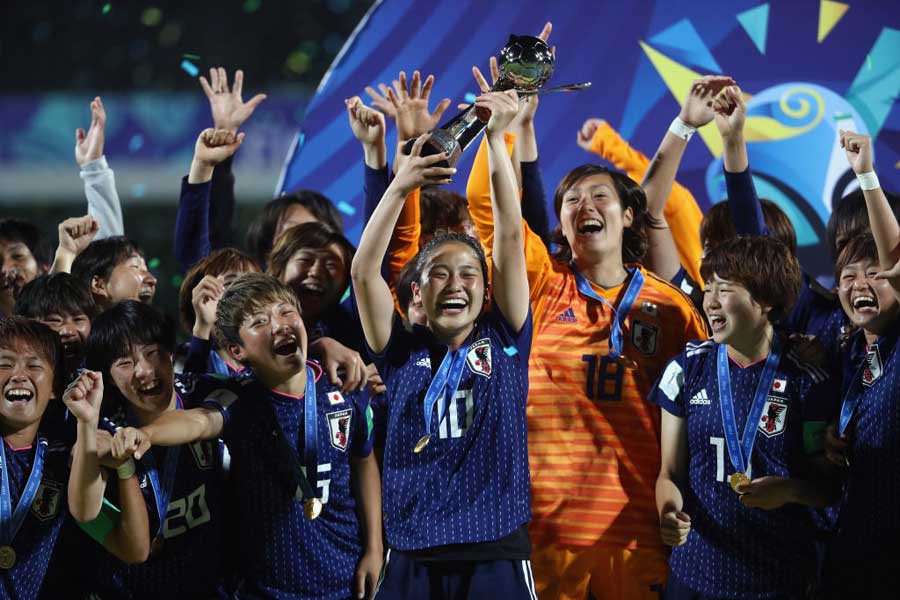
{"points": [[593, 437]]}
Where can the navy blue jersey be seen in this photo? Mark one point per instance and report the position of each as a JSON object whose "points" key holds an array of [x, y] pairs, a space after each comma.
{"points": [[734, 551], [189, 563], [36, 539], [869, 520], [283, 554], [471, 483]]}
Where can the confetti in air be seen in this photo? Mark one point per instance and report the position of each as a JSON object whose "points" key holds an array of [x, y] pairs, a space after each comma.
{"points": [[511, 350], [106, 8], [135, 143], [177, 280], [190, 68], [346, 208], [470, 98], [190, 56], [154, 262]]}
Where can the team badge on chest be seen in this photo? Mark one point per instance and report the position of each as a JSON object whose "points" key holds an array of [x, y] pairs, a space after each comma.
{"points": [[645, 336], [339, 428], [203, 453], [872, 369], [774, 417], [479, 357], [46, 502]]}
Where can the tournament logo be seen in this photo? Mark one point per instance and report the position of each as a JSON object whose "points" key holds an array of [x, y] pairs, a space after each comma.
{"points": [[203, 453], [479, 357], [339, 427], [46, 502], [872, 370], [774, 417], [644, 336]]}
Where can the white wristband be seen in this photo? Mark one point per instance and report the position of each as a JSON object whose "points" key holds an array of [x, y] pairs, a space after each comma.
{"points": [[682, 129], [868, 181], [126, 470]]}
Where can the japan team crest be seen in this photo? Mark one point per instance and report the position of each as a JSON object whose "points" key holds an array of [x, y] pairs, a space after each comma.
{"points": [[339, 427], [46, 502], [774, 417], [872, 370], [202, 450], [644, 336], [479, 357]]}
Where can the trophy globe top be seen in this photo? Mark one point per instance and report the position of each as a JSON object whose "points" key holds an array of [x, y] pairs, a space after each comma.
{"points": [[526, 63]]}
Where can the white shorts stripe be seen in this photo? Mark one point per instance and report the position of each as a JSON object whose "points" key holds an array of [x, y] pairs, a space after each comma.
{"points": [[529, 579]]}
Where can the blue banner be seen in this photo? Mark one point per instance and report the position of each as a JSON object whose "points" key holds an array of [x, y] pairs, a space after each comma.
{"points": [[809, 68]]}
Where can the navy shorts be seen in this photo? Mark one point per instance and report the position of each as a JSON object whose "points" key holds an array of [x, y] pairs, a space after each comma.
{"points": [[405, 578]]}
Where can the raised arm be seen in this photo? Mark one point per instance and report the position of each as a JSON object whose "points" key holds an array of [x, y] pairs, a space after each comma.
{"points": [[99, 180], [376, 305], [743, 203], [74, 236], [509, 279], [83, 398], [662, 254], [882, 221], [192, 221]]}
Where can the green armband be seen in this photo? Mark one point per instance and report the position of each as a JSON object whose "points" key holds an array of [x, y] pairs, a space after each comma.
{"points": [[100, 527], [813, 436]]}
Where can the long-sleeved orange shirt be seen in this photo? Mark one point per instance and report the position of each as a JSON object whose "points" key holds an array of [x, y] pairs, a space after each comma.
{"points": [[593, 437]]}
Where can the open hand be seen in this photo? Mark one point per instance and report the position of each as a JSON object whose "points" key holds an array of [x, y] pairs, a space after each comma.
{"points": [[367, 573], [229, 111], [408, 106], [698, 110], [90, 147], [335, 357]]}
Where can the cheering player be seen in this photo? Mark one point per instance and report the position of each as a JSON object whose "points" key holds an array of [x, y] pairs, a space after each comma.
{"points": [[132, 344], [864, 561], [604, 329], [742, 429], [456, 499], [299, 481]]}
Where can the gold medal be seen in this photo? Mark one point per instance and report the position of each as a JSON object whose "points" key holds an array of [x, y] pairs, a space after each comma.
{"points": [[736, 480], [627, 362], [156, 546], [7, 557], [423, 441], [312, 508]]}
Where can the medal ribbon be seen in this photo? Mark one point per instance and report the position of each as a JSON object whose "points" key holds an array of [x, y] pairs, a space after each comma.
{"points": [[852, 396], [740, 451], [620, 313], [11, 521], [162, 493], [284, 457], [444, 384]]}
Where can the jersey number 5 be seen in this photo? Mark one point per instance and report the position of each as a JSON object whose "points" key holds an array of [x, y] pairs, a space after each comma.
{"points": [[608, 375]]}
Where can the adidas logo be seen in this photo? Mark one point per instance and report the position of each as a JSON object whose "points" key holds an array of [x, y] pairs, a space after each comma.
{"points": [[567, 316], [424, 362], [700, 398]]}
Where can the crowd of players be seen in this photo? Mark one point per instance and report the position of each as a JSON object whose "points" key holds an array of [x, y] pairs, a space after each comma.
{"points": [[644, 402]]}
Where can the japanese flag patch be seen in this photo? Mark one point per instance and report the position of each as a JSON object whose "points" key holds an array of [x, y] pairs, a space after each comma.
{"points": [[335, 397], [339, 427], [779, 386], [479, 357]]}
